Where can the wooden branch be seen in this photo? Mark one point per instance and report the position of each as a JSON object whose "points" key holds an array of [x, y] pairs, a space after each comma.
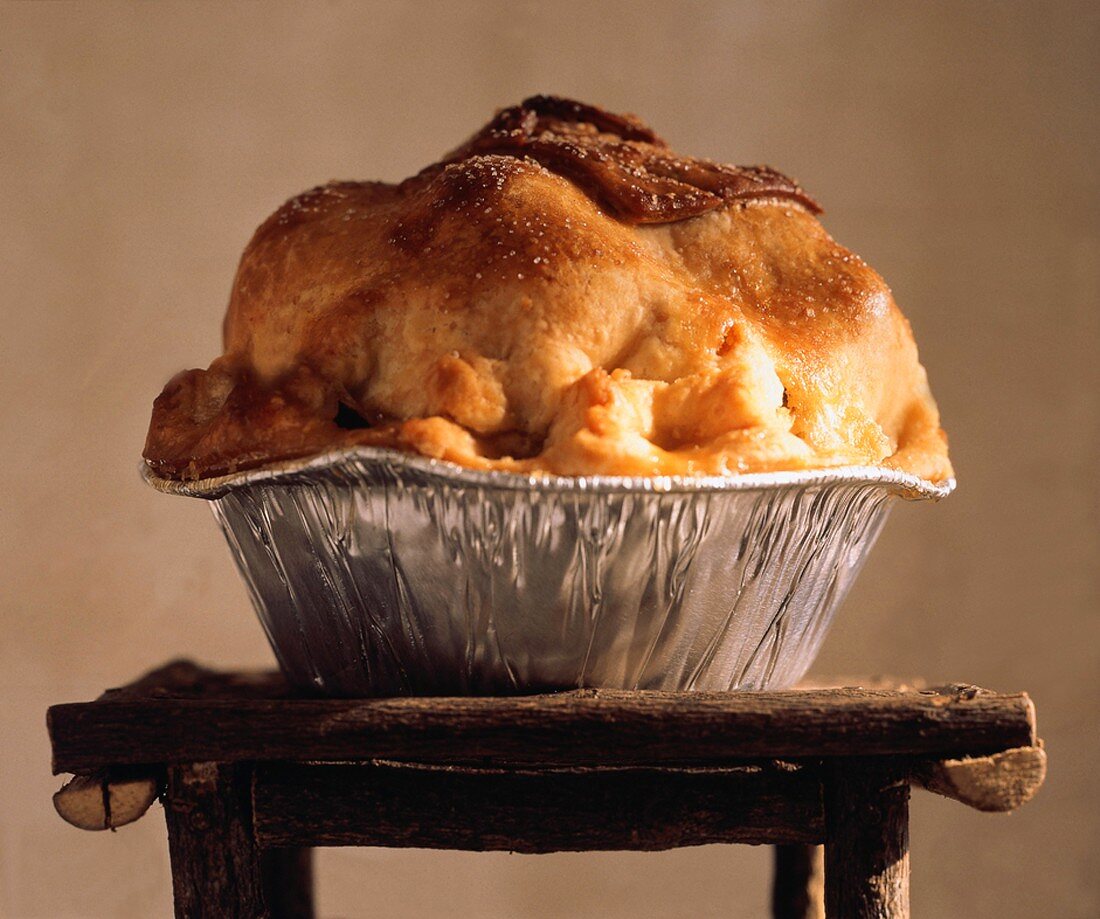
{"points": [[392, 804], [586, 727], [866, 840], [215, 860], [288, 882], [106, 801], [257, 772], [798, 882], [997, 783]]}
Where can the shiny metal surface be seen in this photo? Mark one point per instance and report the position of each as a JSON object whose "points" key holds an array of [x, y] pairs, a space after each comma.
{"points": [[377, 573]]}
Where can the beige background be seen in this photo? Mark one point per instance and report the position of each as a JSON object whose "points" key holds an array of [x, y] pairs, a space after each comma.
{"points": [[955, 146]]}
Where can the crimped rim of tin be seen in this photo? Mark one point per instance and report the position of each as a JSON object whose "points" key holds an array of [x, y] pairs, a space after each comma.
{"points": [[903, 484]]}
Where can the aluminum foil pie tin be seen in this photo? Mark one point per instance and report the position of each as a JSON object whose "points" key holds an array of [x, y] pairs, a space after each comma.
{"points": [[379, 573]]}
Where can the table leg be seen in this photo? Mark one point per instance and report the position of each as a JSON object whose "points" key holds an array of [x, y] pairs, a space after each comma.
{"points": [[866, 841], [798, 888], [215, 859], [288, 882]]}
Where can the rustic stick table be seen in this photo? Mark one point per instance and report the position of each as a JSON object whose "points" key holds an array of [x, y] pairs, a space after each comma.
{"points": [[253, 776]]}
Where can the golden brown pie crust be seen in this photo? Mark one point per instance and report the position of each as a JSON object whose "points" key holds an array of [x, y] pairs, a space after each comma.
{"points": [[561, 294]]}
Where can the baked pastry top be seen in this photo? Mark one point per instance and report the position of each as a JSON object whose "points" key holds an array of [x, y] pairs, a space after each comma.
{"points": [[561, 294]]}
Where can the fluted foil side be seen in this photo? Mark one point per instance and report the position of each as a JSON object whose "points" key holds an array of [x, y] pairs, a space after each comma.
{"points": [[374, 576]]}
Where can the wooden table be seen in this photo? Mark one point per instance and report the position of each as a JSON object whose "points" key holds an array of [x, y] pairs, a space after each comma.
{"points": [[253, 776]]}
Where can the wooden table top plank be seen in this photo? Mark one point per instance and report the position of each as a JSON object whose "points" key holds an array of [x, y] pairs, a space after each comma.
{"points": [[184, 713]]}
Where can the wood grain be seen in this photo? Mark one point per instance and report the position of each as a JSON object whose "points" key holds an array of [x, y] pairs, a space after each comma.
{"points": [[249, 720], [392, 804], [257, 773], [107, 799], [215, 860], [866, 840], [997, 783]]}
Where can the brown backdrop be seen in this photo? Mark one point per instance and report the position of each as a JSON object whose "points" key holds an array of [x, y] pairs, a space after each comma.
{"points": [[953, 145]]}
